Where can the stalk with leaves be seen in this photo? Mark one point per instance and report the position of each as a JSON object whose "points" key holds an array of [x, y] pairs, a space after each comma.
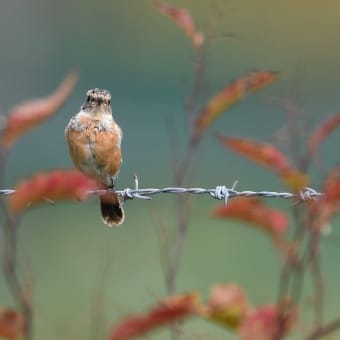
{"points": [[228, 304], [18, 321], [198, 120]]}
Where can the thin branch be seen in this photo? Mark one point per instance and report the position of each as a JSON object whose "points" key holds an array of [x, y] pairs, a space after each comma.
{"points": [[10, 272], [10, 257], [325, 330]]}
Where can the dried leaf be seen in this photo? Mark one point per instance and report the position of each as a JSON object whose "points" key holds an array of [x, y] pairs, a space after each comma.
{"points": [[262, 153], [31, 113], [259, 79], [322, 132], [173, 309], [252, 210], [227, 305], [263, 323], [54, 185], [183, 19], [12, 324]]}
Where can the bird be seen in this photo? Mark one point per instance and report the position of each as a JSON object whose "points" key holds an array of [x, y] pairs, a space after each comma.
{"points": [[94, 141]]}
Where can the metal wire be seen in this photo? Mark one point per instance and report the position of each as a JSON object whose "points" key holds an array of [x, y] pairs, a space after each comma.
{"points": [[7, 192], [219, 192]]}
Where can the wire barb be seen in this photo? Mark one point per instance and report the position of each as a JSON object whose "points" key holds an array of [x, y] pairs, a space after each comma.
{"points": [[7, 192]]}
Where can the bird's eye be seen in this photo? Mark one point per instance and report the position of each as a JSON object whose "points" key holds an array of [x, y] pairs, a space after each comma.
{"points": [[109, 102]]}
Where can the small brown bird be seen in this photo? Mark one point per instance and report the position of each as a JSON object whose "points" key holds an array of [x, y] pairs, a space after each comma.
{"points": [[94, 140]]}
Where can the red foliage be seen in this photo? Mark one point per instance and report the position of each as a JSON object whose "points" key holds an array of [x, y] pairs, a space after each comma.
{"points": [[326, 207], [294, 179], [267, 155], [54, 185], [332, 187], [29, 114], [262, 153], [322, 132], [220, 102], [259, 79], [173, 309], [263, 323], [12, 324], [232, 94], [227, 305], [184, 20], [252, 210]]}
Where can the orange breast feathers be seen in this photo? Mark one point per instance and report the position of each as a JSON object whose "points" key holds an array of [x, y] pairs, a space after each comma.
{"points": [[94, 143]]}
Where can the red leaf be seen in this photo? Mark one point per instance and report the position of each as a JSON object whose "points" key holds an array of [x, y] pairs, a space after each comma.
{"points": [[326, 207], [295, 179], [230, 95], [227, 305], [29, 114], [252, 210], [54, 185], [184, 20], [220, 102], [263, 323], [267, 155], [173, 309], [332, 187], [12, 324], [262, 153], [259, 79], [322, 132]]}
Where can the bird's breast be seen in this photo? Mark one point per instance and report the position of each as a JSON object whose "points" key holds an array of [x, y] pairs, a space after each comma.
{"points": [[94, 143]]}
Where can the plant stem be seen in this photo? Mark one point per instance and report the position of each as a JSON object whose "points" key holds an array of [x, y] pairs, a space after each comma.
{"points": [[325, 330], [10, 270], [181, 172], [10, 259]]}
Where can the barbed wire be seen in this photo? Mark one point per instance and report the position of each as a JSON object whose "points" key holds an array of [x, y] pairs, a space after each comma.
{"points": [[219, 192]]}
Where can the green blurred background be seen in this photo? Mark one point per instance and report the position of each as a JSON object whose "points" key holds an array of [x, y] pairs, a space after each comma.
{"points": [[127, 47]]}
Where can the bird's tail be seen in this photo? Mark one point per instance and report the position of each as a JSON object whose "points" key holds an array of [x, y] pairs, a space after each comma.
{"points": [[111, 209]]}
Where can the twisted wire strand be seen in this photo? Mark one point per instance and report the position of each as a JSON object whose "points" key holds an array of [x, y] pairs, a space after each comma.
{"points": [[219, 193]]}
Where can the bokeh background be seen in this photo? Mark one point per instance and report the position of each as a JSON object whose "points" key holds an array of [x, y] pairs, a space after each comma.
{"points": [[79, 266]]}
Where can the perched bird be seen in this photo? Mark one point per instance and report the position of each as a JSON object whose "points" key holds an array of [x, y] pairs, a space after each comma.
{"points": [[94, 140]]}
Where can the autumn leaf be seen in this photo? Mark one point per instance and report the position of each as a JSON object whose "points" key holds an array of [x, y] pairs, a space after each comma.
{"points": [[332, 187], [54, 185], [174, 308], [322, 132], [184, 20], [231, 95], [31, 113], [264, 323], [294, 179], [12, 324], [262, 153], [260, 79], [252, 210], [267, 155], [220, 102], [227, 305], [329, 204]]}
